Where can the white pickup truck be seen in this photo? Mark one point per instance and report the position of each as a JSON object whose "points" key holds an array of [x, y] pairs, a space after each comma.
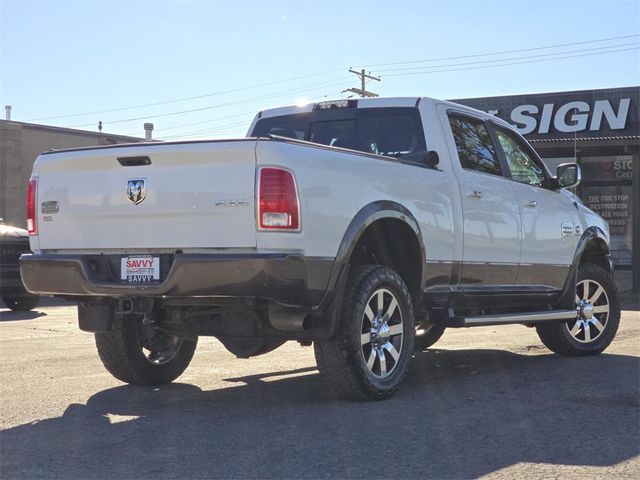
{"points": [[365, 227]]}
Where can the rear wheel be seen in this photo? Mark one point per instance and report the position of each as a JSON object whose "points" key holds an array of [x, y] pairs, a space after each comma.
{"points": [[597, 317], [370, 355], [141, 354]]}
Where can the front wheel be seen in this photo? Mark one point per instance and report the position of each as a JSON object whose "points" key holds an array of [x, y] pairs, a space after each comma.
{"points": [[597, 317], [370, 355], [140, 354]]}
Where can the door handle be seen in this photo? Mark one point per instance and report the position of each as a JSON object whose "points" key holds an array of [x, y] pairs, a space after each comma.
{"points": [[476, 193], [532, 204]]}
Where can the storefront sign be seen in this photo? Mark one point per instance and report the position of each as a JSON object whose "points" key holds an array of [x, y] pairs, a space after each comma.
{"points": [[595, 113], [597, 169]]}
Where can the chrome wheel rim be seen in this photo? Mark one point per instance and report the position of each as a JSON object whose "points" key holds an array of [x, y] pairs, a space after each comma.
{"points": [[592, 304], [157, 347], [381, 333]]}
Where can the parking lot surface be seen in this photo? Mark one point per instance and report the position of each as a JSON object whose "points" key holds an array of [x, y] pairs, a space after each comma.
{"points": [[485, 402]]}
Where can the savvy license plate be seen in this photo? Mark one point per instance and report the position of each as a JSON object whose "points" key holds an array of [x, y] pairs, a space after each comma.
{"points": [[140, 269]]}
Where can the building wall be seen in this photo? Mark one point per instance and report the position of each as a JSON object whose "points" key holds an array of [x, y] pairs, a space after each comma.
{"points": [[20, 144]]}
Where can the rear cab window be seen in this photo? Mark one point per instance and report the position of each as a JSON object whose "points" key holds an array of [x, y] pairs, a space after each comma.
{"points": [[393, 132]]}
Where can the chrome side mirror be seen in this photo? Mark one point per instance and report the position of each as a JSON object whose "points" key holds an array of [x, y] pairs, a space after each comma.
{"points": [[568, 175]]}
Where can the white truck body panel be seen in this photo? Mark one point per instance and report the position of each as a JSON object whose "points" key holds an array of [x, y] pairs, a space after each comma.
{"points": [[184, 182], [334, 185]]}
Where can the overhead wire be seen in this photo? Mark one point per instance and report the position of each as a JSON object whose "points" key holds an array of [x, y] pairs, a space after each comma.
{"points": [[507, 64], [184, 99], [392, 72], [211, 120], [217, 129], [317, 86], [531, 49], [509, 59], [236, 90]]}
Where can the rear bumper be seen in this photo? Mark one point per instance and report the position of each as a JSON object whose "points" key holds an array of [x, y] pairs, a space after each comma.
{"points": [[289, 279]]}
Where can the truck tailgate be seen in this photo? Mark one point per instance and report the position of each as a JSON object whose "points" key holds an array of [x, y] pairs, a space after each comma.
{"points": [[191, 195]]}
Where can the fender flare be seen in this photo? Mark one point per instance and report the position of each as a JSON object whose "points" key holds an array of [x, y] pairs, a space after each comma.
{"points": [[591, 234], [366, 216]]}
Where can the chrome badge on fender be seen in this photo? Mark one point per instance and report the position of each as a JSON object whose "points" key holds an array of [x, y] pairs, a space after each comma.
{"points": [[136, 190]]}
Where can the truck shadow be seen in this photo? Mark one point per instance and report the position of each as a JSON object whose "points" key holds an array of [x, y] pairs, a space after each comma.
{"points": [[461, 414], [7, 315]]}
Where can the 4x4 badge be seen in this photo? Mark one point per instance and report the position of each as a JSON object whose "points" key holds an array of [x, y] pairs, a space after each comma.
{"points": [[136, 190]]}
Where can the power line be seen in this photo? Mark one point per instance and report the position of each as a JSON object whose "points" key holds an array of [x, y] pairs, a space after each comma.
{"points": [[501, 52], [219, 128], [326, 84], [211, 120], [508, 64], [225, 92], [509, 59], [203, 131], [184, 99]]}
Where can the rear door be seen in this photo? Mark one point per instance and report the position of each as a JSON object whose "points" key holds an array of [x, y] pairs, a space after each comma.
{"points": [[491, 217]]}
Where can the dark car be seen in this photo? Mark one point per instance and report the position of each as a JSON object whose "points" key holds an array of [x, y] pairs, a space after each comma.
{"points": [[13, 243]]}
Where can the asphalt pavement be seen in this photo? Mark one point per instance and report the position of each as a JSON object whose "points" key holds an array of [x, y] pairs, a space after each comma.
{"points": [[484, 402]]}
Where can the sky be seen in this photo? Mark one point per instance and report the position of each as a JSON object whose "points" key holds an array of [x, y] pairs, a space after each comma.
{"points": [[202, 69]]}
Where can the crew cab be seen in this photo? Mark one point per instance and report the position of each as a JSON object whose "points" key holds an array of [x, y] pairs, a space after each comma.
{"points": [[364, 227]]}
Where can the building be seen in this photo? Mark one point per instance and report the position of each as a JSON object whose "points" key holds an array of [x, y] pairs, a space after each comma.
{"points": [[20, 144], [600, 130]]}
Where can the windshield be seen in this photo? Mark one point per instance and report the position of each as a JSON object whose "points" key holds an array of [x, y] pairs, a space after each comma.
{"points": [[395, 132]]}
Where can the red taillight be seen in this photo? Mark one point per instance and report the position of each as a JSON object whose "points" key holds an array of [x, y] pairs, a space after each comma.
{"points": [[278, 202], [32, 226]]}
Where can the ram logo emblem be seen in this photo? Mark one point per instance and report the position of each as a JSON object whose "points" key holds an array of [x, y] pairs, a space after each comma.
{"points": [[136, 190]]}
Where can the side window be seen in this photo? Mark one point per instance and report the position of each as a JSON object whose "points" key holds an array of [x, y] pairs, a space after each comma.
{"points": [[475, 149], [522, 166]]}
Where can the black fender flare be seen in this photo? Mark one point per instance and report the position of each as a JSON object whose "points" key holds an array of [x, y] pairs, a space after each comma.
{"points": [[365, 217], [591, 234]]}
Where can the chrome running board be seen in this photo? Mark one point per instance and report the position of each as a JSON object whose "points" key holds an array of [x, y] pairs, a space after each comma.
{"points": [[536, 317]]}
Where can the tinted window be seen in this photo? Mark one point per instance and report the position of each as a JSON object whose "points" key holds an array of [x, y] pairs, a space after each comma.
{"points": [[522, 166], [337, 133], [395, 132], [475, 150], [290, 126]]}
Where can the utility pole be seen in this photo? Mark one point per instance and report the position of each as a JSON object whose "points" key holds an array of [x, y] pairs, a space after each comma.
{"points": [[362, 91]]}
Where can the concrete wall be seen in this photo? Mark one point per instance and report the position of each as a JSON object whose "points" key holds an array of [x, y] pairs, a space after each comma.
{"points": [[20, 144]]}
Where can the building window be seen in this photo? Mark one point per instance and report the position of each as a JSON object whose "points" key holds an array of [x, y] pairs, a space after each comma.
{"points": [[606, 189]]}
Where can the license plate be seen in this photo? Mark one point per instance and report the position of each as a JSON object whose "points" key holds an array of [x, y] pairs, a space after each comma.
{"points": [[140, 269]]}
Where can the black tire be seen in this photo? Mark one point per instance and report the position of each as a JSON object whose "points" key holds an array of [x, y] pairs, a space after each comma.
{"points": [[21, 303], [122, 351], [590, 332], [432, 333], [342, 360]]}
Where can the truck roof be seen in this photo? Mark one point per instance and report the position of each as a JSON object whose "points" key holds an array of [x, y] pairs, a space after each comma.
{"points": [[377, 102]]}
